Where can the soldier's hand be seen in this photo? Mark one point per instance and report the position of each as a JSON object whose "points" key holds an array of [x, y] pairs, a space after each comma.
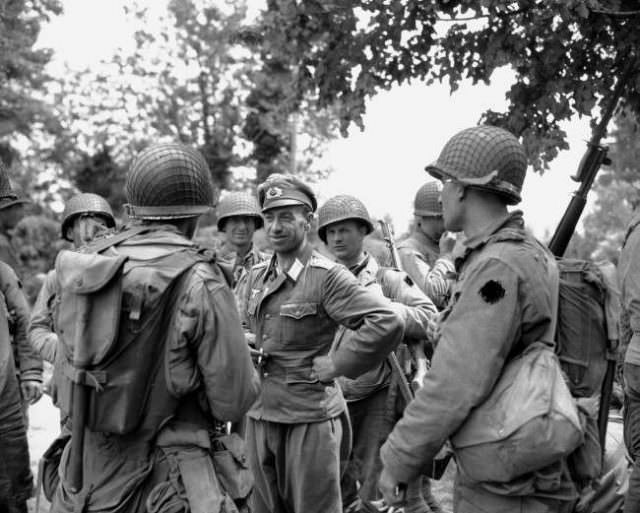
{"points": [[392, 491], [31, 390], [447, 243], [323, 368], [433, 330]]}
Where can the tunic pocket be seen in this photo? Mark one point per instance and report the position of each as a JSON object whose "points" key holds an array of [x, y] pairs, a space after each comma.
{"points": [[297, 323]]}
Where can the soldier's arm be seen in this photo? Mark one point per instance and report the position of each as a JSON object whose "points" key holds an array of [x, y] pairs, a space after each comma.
{"points": [[208, 328], [29, 361], [476, 339], [432, 281], [630, 281], [377, 327], [413, 305], [41, 336], [7, 254]]}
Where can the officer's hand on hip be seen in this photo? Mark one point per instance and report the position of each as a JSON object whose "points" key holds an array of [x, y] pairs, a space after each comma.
{"points": [[393, 492], [324, 369], [31, 390]]}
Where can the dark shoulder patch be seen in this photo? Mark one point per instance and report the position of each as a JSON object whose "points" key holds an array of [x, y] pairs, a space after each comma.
{"points": [[492, 291]]}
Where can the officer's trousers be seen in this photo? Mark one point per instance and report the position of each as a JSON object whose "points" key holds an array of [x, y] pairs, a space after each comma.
{"points": [[296, 466]]}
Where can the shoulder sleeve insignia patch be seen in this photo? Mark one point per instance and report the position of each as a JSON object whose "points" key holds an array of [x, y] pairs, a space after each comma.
{"points": [[492, 291]]}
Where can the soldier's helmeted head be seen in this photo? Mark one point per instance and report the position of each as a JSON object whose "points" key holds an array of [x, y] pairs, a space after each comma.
{"points": [[343, 223], [484, 162], [287, 206], [11, 204], [169, 182], [427, 210], [85, 216], [239, 217]]}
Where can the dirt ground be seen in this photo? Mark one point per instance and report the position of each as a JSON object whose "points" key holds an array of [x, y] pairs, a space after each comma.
{"points": [[44, 423]]}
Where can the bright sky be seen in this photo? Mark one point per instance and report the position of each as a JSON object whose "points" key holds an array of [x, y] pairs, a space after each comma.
{"points": [[405, 128]]}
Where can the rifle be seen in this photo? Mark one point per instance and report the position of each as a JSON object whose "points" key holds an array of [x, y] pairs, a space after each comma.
{"points": [[595, 156], [422, 365]]}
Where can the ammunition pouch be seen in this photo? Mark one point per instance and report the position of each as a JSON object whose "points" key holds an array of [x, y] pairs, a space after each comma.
{"points": [[215, 471], [231, 465]]}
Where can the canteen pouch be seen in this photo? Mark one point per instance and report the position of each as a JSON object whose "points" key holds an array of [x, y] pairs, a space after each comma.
{"points": [[231, 465], [202, 487], [86, 317], [529, 421]]}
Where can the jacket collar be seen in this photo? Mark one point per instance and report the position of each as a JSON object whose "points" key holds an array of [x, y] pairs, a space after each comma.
{"points": [[512, 220], [300, 262]]}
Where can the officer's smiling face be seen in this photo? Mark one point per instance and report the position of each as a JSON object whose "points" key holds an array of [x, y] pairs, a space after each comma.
{"points": [[345, 239], [239, 230], [287, 227]]}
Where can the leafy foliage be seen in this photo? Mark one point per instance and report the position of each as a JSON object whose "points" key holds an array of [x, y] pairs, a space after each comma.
{"points": [[617, 191], [566, 55], [22, 74], [37, 242]]}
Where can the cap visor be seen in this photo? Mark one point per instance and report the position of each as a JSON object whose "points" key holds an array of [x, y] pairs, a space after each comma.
{"points": [[284, 202]]}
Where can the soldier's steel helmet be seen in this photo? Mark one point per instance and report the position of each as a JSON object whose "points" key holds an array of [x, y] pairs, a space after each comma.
{"points": [[86, 203], [8, 195], [280, 190], [169, 181], [428, 201], [484, 157], [342, 208], [239, 204]]}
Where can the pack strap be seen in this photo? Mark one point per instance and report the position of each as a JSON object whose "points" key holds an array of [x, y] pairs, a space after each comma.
{"points": [[554, 274], [116, 239], [94, 379]]}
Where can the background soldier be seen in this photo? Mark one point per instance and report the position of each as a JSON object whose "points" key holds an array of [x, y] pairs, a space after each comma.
{"points": [[16, 481], [294, 304], [11, 211], [85, 216], [502, 303], [629, 276], [238, 218], [180, 362], [426, 254], [343, 224]]}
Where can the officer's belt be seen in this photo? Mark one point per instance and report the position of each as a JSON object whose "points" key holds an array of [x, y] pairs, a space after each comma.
{"points": [[302, 371]]}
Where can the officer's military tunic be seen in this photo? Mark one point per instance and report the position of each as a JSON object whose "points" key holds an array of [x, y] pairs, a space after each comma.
{"points": [[501, 303], [294, 433], [420, 259]]}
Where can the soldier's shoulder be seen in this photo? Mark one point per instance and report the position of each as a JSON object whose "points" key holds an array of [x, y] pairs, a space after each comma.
{"points": [[320, 261], [393, 276], [7, 272]]}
